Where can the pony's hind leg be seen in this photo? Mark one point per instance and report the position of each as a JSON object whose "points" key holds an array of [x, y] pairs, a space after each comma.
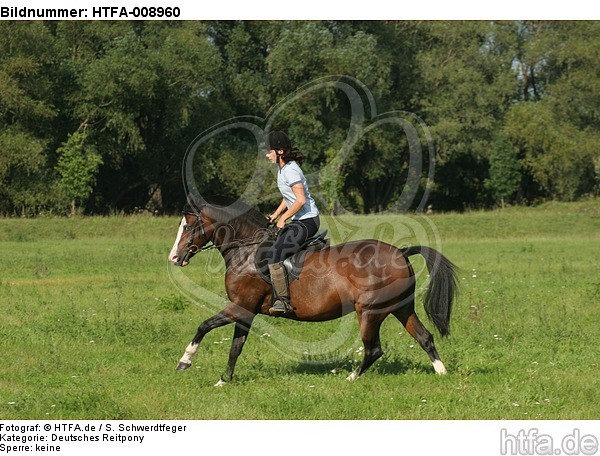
{"points": [[370, 322], [415, 328]]}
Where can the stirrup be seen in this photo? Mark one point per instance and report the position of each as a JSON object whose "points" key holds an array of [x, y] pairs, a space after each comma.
{"points": [[281, 306]]}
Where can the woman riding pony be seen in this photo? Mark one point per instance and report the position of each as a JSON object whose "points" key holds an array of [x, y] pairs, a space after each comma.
{"points": [[298, 206]]}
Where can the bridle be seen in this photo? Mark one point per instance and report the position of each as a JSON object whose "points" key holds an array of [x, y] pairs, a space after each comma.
{"points": [[198, 226]]}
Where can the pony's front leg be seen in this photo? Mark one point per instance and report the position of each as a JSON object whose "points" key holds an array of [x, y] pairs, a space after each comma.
{"points": [[242, 328], [216, 321]]}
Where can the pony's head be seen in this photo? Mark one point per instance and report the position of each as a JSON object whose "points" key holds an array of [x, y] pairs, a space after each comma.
{"points": [[195, 231], [223, 221]]}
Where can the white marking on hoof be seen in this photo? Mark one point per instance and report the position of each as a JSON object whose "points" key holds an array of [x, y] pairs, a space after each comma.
{"points": [[439, 367], [189, 352], [353, 376], [220, 383]]}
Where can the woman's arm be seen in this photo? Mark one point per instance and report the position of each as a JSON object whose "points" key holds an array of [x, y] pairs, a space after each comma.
{"points": [[279, 210], [300, 201]]}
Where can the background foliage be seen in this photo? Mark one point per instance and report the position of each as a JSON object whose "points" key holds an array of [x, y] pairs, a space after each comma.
{"points": [[136, 94]]}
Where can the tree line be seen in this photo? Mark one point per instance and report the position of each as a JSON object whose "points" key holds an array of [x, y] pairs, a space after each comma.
{"points": [[96, 117]]}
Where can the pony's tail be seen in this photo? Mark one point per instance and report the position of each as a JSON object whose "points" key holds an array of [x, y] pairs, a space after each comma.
{"points": [[443, 286]]}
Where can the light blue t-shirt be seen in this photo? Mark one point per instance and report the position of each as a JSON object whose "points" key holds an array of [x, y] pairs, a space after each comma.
{"points": [[288, 176]]}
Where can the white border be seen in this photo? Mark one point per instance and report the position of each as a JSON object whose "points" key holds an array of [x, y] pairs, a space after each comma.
{"points": [[341, 9], [290, 438]]}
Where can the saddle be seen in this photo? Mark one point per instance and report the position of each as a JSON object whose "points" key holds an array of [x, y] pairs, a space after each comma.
{"points": [[292, 264]]}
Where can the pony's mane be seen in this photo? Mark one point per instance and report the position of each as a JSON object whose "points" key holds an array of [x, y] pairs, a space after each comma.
{"points": [[227, 209]]}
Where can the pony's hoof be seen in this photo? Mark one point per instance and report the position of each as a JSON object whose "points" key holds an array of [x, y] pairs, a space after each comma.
{"points": [[439, 367], [353, 376], [221, 383], [183, 366]]}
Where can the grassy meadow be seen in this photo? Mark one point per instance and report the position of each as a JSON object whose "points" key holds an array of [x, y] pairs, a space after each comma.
{"points": [[93, 321]]}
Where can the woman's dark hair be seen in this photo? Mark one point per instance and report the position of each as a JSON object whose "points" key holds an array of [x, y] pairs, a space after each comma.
{"points": [[278, 140], [292, 155]]}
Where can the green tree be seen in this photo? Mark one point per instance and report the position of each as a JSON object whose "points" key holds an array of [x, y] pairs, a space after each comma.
{"points": [[140, 92], [77, 166], [145, 93], [26, 117], [559, 156], [468, 83], [556, 131], [505, 171]]}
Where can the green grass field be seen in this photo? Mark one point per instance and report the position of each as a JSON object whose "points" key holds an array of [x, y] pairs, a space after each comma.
{"points": [[94, 320]]}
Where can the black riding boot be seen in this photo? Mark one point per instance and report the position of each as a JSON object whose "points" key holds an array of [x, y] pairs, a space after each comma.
{"points": [[281, 295]]}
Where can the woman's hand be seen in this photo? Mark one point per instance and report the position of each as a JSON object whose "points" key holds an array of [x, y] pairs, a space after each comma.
{"points": [[272, 217], [280, 224]]}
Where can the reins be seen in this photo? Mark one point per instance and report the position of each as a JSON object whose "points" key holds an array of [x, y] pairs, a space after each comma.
{"points": [[200, 224], [240, 243]]}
